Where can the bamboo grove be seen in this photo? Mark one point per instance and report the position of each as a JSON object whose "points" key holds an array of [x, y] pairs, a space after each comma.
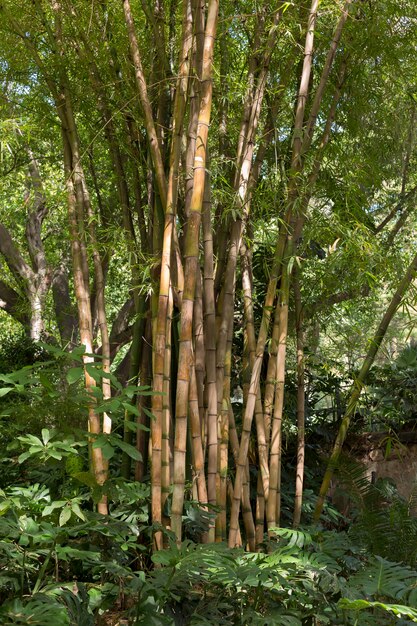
{"points": [[175, 123]]}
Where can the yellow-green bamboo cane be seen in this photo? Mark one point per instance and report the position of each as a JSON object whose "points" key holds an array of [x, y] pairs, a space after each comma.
{"points": [[191, 250], [210, 346], [274, 501], [299, 473]]}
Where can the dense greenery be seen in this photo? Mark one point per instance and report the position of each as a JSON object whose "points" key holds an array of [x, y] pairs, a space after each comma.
{"points": [[63, 563], [207, 255]]}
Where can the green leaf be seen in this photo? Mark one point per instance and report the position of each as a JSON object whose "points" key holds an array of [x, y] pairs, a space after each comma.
{"points": [[79, 351], [95, 373], [130, 450], [131, 408], [24, 539], [24, 456], [148, 413], [107, 450], [36, 449], [55, 454], [4, 506], [74, 374], [5, 390], [53, 349], [31, 439], [396, 609], [76, 509], [109, 406], [46, 435], [57, 504], [65, 516], [134, 426], [46, 383], [162, 558]]}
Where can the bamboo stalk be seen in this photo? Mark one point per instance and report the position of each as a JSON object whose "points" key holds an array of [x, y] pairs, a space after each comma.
{"points": [[281, 244], [260, 512], [191, 250], [299, 477], [210, 345], [194, 98], [274, 501], [328, 64], [230, 496], [199, 342], [242, 187], [166, 459], [143, 402], [223, 443], [146, 105], [162, 325], [249, 97], [251, 340], [82, 294], [245, 492], [269, 396], [197, 454], [270, 382], [75, 203], [123, 193]]}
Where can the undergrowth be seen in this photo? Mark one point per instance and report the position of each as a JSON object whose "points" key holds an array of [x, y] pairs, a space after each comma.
{"points": [[62, 563]]}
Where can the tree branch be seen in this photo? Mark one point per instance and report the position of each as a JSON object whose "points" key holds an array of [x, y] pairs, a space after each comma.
{"points": [[16, 263], [35, 218], [14, 304]]}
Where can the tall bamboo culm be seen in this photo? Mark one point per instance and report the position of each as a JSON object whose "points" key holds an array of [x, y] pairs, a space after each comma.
{"points": [[191, 252]]}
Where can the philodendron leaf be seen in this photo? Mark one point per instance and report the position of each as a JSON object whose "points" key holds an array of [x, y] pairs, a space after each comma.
{"points": [[395, 609]]}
